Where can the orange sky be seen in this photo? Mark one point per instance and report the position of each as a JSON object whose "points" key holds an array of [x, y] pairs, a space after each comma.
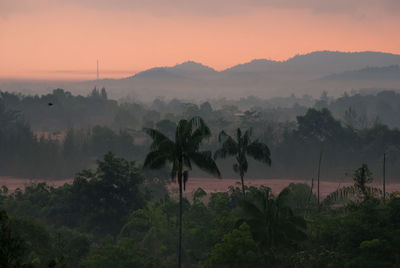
{"points": [[63, 41]]}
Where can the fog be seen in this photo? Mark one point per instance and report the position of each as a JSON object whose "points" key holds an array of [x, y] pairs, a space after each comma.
{"points": [[311, 74], [264, 164]]}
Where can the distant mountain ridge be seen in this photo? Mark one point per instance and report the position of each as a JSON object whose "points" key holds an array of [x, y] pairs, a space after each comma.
{"points": [[322, 61], [387, 72], [300, 74], [316, 63], [312, 73], [185, 68]]}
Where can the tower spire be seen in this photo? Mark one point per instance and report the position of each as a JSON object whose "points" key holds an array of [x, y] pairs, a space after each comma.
{"points": [[97, 69]]}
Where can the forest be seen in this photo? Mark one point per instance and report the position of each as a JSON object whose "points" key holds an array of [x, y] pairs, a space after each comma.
{"points": [[56, 141], [118, 212], [113, 216]]}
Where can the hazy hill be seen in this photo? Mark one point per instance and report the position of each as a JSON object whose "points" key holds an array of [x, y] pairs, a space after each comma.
{"points": [[370, 73], [329, 62], [315, 64], [186, 69], [301, 74]]}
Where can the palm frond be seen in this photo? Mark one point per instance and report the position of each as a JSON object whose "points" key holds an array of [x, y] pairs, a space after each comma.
{"points": [[249, 211], [201, 129], [248, 133], [155, 134], [205, 162], [373, 191], [155, 160], [340, 194], [159, 139], [259, 151], [225, 151], [199, 134], [295, 228], [352, 192], [197, 121], [229, 146], [246, 137], [222, 136], [272, 223], [181, 132], [283, 195]]}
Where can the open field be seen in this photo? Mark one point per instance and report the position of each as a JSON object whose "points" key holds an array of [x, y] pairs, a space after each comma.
{"points": [[13, 183], [222, 185], [211, 185]]}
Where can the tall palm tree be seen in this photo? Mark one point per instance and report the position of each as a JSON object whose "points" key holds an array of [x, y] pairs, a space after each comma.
{"points": [[180, 153], [240, 148]]}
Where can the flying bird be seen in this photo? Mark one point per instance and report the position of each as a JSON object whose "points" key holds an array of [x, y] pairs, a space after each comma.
{"points": [[50, 104]]}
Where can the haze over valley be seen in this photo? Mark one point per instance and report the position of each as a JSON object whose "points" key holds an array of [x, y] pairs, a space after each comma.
{"points": [[199, 134], [333, 72]]}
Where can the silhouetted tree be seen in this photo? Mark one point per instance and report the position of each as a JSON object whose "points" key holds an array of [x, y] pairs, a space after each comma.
{"points": [[181, 152], [240, 148]]}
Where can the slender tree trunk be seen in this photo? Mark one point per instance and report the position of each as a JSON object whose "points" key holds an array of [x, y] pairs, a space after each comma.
{"points": [[311, 191], [244, 193], [319, 173], [384, 176], [180, 220]]}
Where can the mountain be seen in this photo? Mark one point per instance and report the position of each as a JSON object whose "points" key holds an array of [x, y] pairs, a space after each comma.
{"points": [[369, 73], [255, 66], [191, 67], [186, 69], [320, 62], [328, 61], [334, 72]]}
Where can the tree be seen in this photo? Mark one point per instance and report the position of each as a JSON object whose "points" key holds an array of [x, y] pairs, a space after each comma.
{"points": [[103, 93], [99, 200], [180, 153], [319, 125], [272, 223], [237, 249], [12, 245], [240, 148], [123, 253], [359, 191]]}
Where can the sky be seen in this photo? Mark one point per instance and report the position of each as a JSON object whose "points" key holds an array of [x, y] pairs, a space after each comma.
{"points": [[63, 39]]}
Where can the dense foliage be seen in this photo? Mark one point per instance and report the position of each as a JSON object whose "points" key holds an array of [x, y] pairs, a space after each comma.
{"points": [[115, 223], [117, 213], [42, 141]]}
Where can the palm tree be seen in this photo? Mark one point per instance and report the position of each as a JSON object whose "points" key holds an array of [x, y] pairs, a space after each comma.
{"points": [[240, 148], [359, 192], [272, 222], [189, 135]]}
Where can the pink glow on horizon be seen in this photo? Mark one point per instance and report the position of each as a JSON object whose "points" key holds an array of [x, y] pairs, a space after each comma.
{"points": [[65, 43]]}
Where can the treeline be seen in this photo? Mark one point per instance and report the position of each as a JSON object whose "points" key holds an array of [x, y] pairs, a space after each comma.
{"points": [[358, 109], [112, 217], [88, 127], [24, 154], [60, 110]]}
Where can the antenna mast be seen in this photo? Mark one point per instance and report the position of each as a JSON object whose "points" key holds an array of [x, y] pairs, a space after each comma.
{"points": [[97, 69]]}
